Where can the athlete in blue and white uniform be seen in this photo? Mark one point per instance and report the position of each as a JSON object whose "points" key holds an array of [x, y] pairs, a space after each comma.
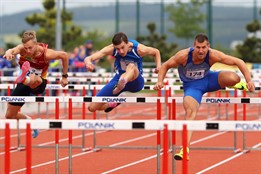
{"points": [[128, 66], [194, 70]]}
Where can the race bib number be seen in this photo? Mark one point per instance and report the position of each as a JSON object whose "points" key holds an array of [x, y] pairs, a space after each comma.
{"points": [[35, 71], [195, 74], [124, 64]]}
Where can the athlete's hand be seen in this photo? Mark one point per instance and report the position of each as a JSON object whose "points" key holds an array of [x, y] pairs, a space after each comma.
{"points": [[158, 86], [8, 56], [251, 86], [89, 65], [156, 70], [64, 82]]}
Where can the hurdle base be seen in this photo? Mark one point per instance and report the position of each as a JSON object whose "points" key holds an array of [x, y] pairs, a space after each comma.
{"points": [[20, 148], [246, 151], [237, 150], [96, 149], [87, 149]]}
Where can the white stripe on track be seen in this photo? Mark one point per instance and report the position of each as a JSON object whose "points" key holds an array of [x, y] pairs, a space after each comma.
{"points": [[130, 164], [50, 162], [226, 160]]}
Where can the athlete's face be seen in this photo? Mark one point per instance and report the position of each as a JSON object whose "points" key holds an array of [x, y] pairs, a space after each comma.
{"points": [[201, 49], [30, 47], [122, 48]]}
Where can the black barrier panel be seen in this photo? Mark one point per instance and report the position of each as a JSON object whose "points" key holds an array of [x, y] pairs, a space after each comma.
{"points": [[140, 99], [245, 100], [39, 99], [55, 124], [87, 99], [138, 125], [212, 126]]}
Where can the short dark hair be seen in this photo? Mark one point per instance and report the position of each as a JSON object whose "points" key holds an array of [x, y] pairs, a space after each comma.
{"points": [[118, 38], [201, 38]]}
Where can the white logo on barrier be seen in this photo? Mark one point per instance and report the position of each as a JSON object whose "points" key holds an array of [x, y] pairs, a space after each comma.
{"points": [[121, 100], [90, 125], [245, 126], [214, 100], [52, 87], [13, 99]]}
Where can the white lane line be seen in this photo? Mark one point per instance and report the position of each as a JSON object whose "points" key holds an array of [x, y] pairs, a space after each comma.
{"points": [[50, 162], [130, 164], [226, 160], [207, 138]]}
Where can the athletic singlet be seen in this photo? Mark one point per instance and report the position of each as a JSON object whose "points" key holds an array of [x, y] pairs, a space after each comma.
{"points": [[191, 71], [38, 65], [132, 56]]}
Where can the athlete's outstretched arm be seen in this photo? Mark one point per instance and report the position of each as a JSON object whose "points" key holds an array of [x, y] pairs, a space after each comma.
{"points": [[172, 62], [219, 56], [54, 55], [10, 53], [108, 50], [145, 50]]}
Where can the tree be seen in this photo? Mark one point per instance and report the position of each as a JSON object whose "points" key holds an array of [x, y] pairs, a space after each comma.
{"points": [[187, 19], [154, 40], [250, 50], [46, 21]]}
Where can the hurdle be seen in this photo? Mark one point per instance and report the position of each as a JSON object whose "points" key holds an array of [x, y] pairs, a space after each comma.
{"points": [[245, 148], [152, 100], [167, 89], [86, 99], [41, 99], [243, 100], [158, 125]]}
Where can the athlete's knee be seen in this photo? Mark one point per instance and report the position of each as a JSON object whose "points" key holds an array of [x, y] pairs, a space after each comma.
{"points": [[236, 78], [233, 77], [91, 108], [190, 114], [38, 80], [131, 66], [35, 78], [35, 81], [10, 115], [134, 71]]}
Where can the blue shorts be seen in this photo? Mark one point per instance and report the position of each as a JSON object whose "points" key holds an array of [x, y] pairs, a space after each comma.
{"points": [[198, 88], [134, 86]]}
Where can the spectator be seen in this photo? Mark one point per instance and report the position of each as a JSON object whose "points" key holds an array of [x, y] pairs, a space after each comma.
{"points": [[4, 64], [88, 48]]}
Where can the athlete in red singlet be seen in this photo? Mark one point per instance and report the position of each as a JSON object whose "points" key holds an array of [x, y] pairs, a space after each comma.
{"points": [[34, 62]]}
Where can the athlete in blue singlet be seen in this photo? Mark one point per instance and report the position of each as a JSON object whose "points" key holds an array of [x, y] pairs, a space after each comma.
{"points": [[128, 66], [194, 70], [194, 75]]}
